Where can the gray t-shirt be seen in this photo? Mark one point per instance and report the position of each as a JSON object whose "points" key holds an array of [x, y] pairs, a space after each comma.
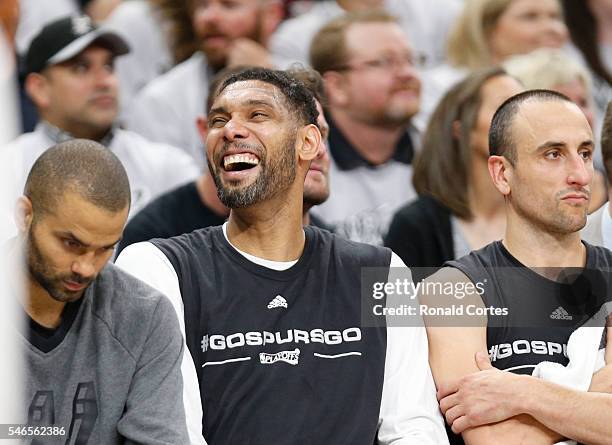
{"points": [[110, 373]]}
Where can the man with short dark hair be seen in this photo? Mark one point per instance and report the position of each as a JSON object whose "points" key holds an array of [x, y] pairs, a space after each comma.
{"points": [[195, 205], [271, 308], [533, 295], [102, 349], [71, 80]]}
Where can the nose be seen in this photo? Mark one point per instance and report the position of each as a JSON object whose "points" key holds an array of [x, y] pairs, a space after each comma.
{"points": [[207, 14], [234, 129], [580, 171], [84, 265], [105, 77], [406, 69], [556, 28]]}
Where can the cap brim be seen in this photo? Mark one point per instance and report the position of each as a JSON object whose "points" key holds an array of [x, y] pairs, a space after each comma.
{"points": [[109, 39]]}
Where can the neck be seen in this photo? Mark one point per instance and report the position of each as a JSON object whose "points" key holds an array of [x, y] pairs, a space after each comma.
{"points": [[41, 307], [79, 131], [535, 247], [485, 200], [375, 144], [205, 185], [272, 229], [306, 214], [610, 200]]}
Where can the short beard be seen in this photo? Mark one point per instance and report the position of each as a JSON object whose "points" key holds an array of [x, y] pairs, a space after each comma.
{"points": [[274, 177], [40, 272]]}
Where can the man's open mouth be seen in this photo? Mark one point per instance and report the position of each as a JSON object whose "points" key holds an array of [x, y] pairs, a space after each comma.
{"points": [[240, 162]]}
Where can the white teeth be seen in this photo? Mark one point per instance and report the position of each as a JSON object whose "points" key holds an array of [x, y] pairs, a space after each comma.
{"points": [[245, 158]]}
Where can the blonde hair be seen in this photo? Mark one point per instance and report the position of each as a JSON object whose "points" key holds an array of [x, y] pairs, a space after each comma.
{"points": [[468, 39], [544, 68]]}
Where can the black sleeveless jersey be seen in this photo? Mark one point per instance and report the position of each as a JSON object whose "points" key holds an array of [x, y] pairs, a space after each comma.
{"points": [[270, 345], [541, 313]]}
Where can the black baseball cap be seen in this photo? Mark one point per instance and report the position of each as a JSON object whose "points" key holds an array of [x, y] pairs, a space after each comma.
{"points": [[64, 38]]}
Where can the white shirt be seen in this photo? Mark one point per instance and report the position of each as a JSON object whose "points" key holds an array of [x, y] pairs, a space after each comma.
{"points": [[152, 169], [35, 14], [167, 108], [363, 199], [409, 413], [149, 55]]}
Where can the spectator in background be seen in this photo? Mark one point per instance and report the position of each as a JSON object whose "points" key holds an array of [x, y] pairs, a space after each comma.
{"points": [[373, 91], [552, 69], [598, 230], [149, 27], [196, 205], [425, 22], [71, 81], [590, 28], [230, 33], [458, 209], [485, 34]]}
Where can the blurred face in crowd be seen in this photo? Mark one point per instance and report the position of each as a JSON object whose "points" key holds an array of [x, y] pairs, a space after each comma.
{"points": [[80, 95], [251, 143], [527, 25], [67, 247], [219, 22], [381, 86], [492, 94], [316, 184], [578, 93], [549, 183]]}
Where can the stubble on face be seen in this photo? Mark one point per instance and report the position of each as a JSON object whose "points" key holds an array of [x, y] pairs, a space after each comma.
{"points": [[276, 174], [41, 271]]}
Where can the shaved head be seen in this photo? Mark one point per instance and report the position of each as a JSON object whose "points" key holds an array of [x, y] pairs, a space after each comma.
{"points": [[79, 166]]}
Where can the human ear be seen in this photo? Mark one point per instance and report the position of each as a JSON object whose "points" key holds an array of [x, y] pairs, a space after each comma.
{"points": [[500, 171], [24, 213], [310, 138]]}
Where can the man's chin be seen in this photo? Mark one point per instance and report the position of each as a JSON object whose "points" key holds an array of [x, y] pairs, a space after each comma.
{"points": [[215, 57]]}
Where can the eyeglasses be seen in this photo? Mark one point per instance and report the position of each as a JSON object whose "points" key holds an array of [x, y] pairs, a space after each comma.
{"points": [[391, 63]]}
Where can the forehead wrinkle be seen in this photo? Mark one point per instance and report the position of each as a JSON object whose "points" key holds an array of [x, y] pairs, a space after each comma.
{"points": [[238, 89]]}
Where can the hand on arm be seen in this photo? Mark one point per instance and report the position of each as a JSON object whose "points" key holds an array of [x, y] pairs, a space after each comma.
{"points": [[248, 52], [602, 379], [452, 352]]}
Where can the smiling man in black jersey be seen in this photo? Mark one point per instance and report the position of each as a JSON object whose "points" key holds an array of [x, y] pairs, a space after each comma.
{"points": [[271, 309], [541, 148]]}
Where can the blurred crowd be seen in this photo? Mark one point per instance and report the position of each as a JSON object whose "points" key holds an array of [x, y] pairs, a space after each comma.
{"points": [[409, 88]]}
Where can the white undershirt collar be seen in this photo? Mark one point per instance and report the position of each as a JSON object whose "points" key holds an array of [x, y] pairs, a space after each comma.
{"points": [[275, 265]]}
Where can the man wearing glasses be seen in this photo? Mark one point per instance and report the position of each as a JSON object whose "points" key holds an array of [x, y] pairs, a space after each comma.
{"points": [[374, 91]]}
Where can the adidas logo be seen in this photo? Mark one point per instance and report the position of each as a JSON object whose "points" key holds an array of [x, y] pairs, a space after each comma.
{"points": [[560, 314], [278, 301]]}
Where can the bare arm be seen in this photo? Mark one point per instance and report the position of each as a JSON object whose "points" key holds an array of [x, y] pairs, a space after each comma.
{"points": [[491, 397], [451, 355]]}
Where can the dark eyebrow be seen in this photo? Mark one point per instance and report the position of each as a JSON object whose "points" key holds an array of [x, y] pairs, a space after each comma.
{"points": [[217, 110], [559, 144], [73, 237]]}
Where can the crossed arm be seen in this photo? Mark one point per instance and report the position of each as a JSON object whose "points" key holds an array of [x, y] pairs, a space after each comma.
{"points": [[489, 406]]}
